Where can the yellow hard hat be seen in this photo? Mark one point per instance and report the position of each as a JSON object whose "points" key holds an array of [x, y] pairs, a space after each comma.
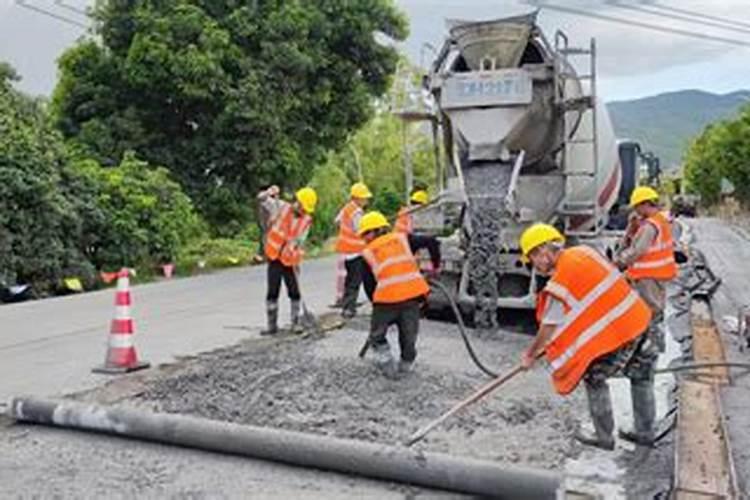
{"points": [[308, 198], [360, 190], [536, 235], [371, 221], [641, 194], [420, 197]]}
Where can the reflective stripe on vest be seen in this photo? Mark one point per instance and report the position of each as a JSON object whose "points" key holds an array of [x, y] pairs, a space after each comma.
{"points": [[658, 261], [404, 222], [286, 228], [602, 314], [395, 269], [348, 240]]}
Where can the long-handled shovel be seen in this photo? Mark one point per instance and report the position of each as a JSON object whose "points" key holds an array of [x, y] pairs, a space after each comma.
{"points": [[476, 396], [309, 320]]}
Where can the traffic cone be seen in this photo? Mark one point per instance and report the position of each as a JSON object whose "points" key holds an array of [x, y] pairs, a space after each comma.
{"points": [[168, 270], [121, 354]]}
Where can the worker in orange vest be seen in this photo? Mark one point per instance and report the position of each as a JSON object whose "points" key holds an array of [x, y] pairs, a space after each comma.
{"points": [[289, 224], [396, 288], [405, 220], [405, 223], [647, 255], [592, 326], [349, 245]]}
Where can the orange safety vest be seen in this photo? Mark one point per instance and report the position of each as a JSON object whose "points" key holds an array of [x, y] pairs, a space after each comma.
{"points": [[602, 314], [658, 261], [395, 269], [404, 221], [280, 244], [348, 240]]}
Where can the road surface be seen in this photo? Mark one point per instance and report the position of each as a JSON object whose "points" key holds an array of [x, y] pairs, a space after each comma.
{"points": [[48, 347]]}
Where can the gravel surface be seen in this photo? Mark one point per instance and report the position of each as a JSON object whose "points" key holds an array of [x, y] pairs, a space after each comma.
{"points": [[322, 387]]}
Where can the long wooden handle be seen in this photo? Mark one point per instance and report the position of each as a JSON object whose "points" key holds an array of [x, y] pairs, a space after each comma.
{"points": [[476, 396]]}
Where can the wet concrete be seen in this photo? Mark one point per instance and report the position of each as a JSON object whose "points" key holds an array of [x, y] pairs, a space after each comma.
{"points": [[317, 386], [320, 386], [727, 249]]}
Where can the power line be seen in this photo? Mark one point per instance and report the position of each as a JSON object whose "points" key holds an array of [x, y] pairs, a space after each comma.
{"points": [[72, 8], [73, 22], [659, 5], [679, 17], [640, 24]]}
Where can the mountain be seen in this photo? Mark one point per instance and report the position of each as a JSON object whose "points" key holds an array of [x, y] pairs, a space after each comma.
{"points": [[666, 123]]}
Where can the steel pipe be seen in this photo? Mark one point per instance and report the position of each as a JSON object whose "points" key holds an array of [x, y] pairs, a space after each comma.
{"points": [[389, 463]]}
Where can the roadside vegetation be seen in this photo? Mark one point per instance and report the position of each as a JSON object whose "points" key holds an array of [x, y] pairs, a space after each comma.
{"points": [[722, 151], [169, 118]]}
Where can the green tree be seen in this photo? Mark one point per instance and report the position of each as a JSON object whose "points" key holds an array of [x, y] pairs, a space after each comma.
{"points": [[377, 151], [721, 151], [40, 229], [228, 95], [134, 214]]}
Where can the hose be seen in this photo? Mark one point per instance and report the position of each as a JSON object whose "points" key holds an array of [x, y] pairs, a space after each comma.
{"points": [[462, 327], [698, 366]]}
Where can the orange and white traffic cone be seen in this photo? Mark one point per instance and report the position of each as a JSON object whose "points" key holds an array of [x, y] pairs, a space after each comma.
{"points": [[121, 354]]}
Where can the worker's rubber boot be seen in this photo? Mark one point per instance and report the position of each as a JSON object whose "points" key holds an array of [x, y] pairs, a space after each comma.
{"points": [[384, 360], [405, 367], [644, 413], [295, 315], [600, 408], [338, 304], [272, 317]]}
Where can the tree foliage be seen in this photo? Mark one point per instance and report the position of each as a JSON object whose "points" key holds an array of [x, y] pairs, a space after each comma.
{"points": [[228, 95], [133, 214], [721, 151], [62, 215], [39, 227], [377, 150]]}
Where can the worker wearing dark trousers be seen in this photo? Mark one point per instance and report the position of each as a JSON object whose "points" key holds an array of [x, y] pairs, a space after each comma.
{"points": [[277, 272], [349, 245], [647, 257], [592, 326], [396, 288], [288, 229]]}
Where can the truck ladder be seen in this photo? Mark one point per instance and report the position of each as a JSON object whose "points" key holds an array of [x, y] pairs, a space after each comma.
{"points": [[574, 211]]}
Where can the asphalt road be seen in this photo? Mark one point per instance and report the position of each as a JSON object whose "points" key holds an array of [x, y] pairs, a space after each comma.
{"points": [[48, 347]]}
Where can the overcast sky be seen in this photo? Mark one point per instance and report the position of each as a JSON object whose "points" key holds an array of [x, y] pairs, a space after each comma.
{"points": [[632, 62]]}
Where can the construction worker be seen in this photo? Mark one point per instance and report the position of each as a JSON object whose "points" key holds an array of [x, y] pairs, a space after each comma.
{"points": [[592, 326], [288, 229], [349, 245], [404, 221], [396, 288], [262, 219], [647, 255]]}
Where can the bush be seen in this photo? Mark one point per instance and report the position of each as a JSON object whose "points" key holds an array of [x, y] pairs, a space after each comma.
{"points": [[40, 229], [215, 253], [136, 215]]}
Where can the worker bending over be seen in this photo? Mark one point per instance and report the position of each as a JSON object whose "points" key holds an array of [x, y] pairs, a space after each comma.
{"points": [[592, 326], [289, 224], [405, 219], [349, 245], [396, 288]]}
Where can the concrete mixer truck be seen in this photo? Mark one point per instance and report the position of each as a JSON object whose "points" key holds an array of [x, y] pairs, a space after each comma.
{"points": [[525, 138]]}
